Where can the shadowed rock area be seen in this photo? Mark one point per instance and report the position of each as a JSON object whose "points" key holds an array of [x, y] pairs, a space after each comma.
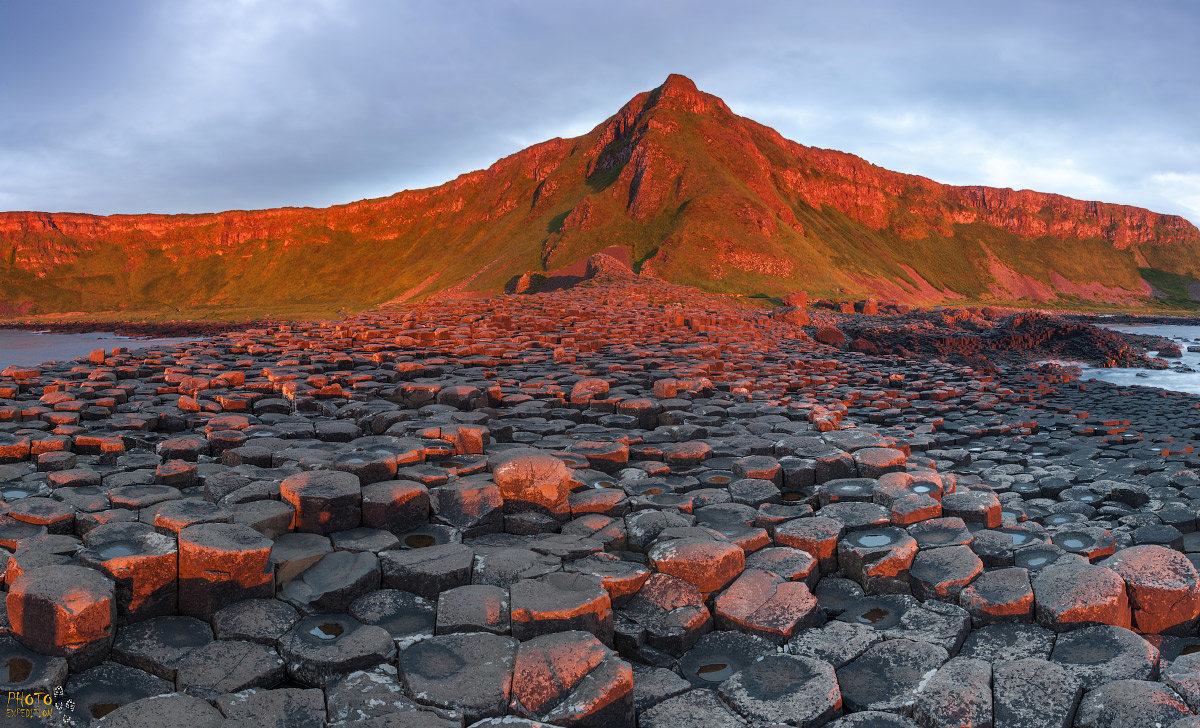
{"points": [[621, 504]]}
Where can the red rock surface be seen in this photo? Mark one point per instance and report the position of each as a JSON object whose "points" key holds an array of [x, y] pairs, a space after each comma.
{"points": [[690, 191]]}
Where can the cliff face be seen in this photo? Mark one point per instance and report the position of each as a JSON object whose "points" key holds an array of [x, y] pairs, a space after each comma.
{"points": [[697, 194]]}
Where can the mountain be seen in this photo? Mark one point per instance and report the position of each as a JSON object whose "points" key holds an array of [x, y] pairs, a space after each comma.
{"points": [[696, 195]]}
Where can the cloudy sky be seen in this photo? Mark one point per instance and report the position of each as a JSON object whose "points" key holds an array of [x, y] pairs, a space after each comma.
{"points": [[123, 106]]}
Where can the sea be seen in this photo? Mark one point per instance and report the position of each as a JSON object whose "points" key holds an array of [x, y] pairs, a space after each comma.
{"points": [[25, 348], [1173, 379]]}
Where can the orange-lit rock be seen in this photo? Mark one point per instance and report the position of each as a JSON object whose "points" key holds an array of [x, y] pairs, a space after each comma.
{"points": [[64, 610]]}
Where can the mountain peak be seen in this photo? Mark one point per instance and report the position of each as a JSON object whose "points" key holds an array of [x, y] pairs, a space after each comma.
{"points": [[680, 93]]}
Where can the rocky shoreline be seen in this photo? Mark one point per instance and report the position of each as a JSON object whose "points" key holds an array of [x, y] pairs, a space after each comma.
{"points": [[161, 329], [623, 504]]}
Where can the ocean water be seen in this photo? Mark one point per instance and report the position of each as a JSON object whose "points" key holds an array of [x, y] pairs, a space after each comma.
{"points": [[25, 348], [1169, 379]]}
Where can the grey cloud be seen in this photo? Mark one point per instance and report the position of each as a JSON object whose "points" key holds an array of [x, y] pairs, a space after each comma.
{"points": [[139, 106]]}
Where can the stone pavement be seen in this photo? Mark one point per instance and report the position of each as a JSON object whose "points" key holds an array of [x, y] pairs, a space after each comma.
{"points": [[627, 503]]}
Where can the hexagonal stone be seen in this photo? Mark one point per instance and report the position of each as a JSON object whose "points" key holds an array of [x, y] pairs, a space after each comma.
{"points": [[973, 506], [767, 605], [937, 623], [1069, 594], [938, 532], [942, 573], [473, 608], [279, 708], [293, 553], [23, 670], [1008, 642], [855, 515], [395, 505], [333, 583], [878, 558], [530, 478], [219, 564], [471, 673], [718, 655], [1164, 589], [792, 564], [959, 694], [817, 536], [1129, 703], [427, 572], [1102, 654], [325, 500], [142, 563], [573, 680], [709, 565], [174, 515], [322, 648], [670, 613], [887, 676], [652, 685], [873, 462], [799, 691], [271, 518], [254, 620], [1183, 676], [506, 566], [65, 611], [693, 708], [160, 644], [997, 597], [473, 505], [228, 667], [164, 710], [837, 643], [100, 690], [643, 527], [620, 578], [1090, 543], [379, 693], [406, 617], [1034, 693], [559, 602]]}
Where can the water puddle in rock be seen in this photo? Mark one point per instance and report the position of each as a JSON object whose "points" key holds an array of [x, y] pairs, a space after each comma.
{"points": [[19, 669], [714, 672], [419, 541], [99, 710], [327, 631], [116, 551], [873, 540]]}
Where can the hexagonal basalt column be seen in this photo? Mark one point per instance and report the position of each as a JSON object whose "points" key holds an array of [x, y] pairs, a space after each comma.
{"points": [[325, 500], [531, 479], [571, 679], [558, 602], [765, 604], [66, 611], [1164, 590], [878, 558], [144, 564], [709, 565], [222, 563], [1070, 594], [942, 573], [323, 648]]}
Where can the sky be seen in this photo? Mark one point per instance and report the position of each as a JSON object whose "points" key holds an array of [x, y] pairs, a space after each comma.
{"points": [[124, 107]]}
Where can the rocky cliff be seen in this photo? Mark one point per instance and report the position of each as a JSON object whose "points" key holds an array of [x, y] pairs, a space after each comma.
{"points": [[697, 194]]}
